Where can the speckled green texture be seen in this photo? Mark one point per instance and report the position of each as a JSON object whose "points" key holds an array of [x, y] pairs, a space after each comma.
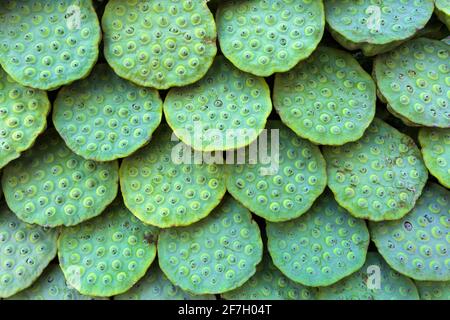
{"points": [[376, 26], [418, 244], [433, 290], [227, 109], [435, 143], [163, 184], [321, 247], [107, 255], [362, 285], [328, 98], [159, 44], [286, 187], [264, 36], [104, 117], [155, 286], [23, 113], [25, 251], [50, 185], [46, 44], [414, 80], [378, 177], [442, 11], [218, 254], [269, 283]]}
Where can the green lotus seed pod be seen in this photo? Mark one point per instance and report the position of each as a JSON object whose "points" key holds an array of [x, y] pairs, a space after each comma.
{"points": [[23, 116], [264, 37], [104, 117], [214, 255], [376, 27], [433, 290], [269, 283], [45, 44], [107, 255], [446, 40], [155, 286], [164, 185], [286, 187], [51, 285], [227, 109], [159, 44], [413, 79], [50, 186], [378, 177], [436, 152], [328, 98], [442, 10], [374, 281], [321, 247], [25, 251], [417, 245]]}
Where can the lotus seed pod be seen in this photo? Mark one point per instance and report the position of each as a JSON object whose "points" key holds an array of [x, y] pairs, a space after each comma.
{"points": [[105, 117], [442, 10], [155, 286], [46, 44], [321, 247], [25, 251], [51, 285], [164, 184], [227, 109], [218, 254], [159, 44], [446, 40], [287, 186], [50, 186], [269, 283], [264, 37], [23, 116], [436, 152], [107, 255], [413, 79], [376, 27], [328, 98], [433, 290], [417, 245], [374, 281], [378, 177]]}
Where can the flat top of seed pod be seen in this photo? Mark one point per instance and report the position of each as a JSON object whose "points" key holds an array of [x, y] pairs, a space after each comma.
{"points": [[328, 98], [374, 281], [433, 290], [25, 251], [284, 187], [159, 44], [215, 255], [268, 283], [263, 37], [51, 285], [23, 116], [46, 44], [155, 286], [418, 244], [105, 117], [163, 184], [382, 22], [378, 177], [227, 109], [435, 144], [413, 78], [321, 247], [50, 185], [107, 255]]}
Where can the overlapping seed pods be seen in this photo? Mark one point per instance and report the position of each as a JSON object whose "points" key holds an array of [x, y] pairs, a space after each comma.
{"points": [[104, 117], [433, 290], [49, 185], [45, 44], [107, 255], [159, 44]]}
